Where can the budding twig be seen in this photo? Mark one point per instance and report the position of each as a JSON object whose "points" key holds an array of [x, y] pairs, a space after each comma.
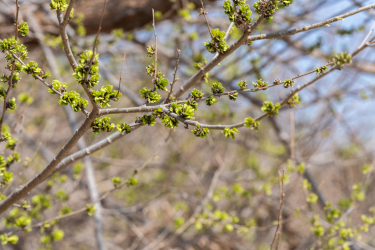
{"points": [[10, 82]]}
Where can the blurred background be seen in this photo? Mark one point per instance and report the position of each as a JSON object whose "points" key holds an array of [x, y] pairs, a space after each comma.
{"points": [[212, 193]]}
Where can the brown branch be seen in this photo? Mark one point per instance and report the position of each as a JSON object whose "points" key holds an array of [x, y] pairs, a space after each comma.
{"points": [[119, 82], [308, 27], [84, 85], [10, 82], [199, 75], [67, 14], [204, 13], [156, 50], [23, 109], [25, 190], [17, 12], [65, 40], [167, 100], [282, 195], [292, 141]]}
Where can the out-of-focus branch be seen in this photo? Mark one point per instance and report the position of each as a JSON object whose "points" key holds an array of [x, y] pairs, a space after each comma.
{"points": [[308, 27], [39, 178]]}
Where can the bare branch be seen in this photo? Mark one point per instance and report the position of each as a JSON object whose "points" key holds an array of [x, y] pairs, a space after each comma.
{"points": [[24, 190], [156, 49], [65, 39], [167, 100], [308, 27], [282, 195]]}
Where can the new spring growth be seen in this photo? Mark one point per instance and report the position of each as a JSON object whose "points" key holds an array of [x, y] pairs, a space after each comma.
{"points": [[82, 71], [60, 5], [3, 93], [158, 113], [32, 68], [261, 7], [90, 209], [11, 143], [218, 44], [5, 238], [74, 99], [11, 45], [198, 131], [185, 111], [151, 50], [71, 15], [230, 132], [7, 177], [292, 102], [199, 66], [240, 17], [170, 122], [117, 181], [196, 94], [161, 83], [270, 109], [211, 101], [150, 95], [288, 83], [131, 182], [102, 125], [147, 120], [233, 96], [217, 88], [260, 84], [250, 122], [242, 85], [105, 95], [59, 86], [192, 103], [151, 69], [23, 28], [124, 127], [11, 104], [342, 59], [6, 79], [320, 70]]}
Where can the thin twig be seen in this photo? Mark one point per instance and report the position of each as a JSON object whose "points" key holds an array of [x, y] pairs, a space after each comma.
{"points": [[119, 82], [292, 135], [367, 36], [132, 226], [64, 37], [84, 85], [167, 100], [308, 27], [10, 82], [156, 50], [282, 195], [23, 109], [204, 13], [18, 9]]}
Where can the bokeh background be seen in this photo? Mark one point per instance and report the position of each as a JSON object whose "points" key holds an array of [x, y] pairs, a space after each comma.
{"points": [[225, 192]]}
